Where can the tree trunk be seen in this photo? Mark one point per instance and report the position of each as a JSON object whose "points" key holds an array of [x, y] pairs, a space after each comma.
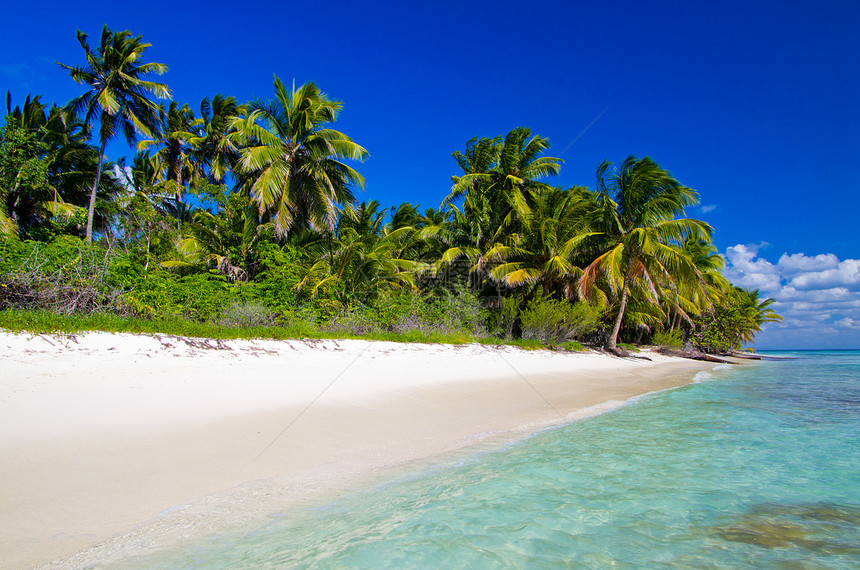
{"points": [[92, 207], [180, 209], [612, 341]]}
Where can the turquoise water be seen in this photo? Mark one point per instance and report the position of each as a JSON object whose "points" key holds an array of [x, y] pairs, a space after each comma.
{"points": [[754, 467]]}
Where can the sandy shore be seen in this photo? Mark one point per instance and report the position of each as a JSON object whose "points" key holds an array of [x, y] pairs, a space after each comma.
{"points": [[111, 443]]}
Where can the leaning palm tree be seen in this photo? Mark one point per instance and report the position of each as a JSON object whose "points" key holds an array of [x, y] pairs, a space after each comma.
{"points": [[117, 94], [291, 161], [638, 232]]}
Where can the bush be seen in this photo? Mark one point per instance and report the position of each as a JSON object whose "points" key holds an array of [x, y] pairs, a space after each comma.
{"points": [[552, 321], [65, 276], [273, 286], [245, 315], [352, 323], [403, 312], [669, 339], [198, 296], [501, 321]]}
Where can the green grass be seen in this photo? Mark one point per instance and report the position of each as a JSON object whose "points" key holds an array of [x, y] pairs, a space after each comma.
{"points": [[46, 322], [42, 321]]}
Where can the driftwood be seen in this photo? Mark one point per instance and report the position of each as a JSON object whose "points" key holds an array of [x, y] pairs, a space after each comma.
{"points": [[709, 358], [621, 353], [745, 356], [759, 356], [693, 355]]}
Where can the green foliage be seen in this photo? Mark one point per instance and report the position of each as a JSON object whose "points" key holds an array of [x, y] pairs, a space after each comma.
{"points": [[66, 275], [672, 339], [721, 330], [287, 253], [406, 312], [198, 296], [245, 315], [734, 321], [275, 285], [554, 321], [24, 187], [501, 321]]}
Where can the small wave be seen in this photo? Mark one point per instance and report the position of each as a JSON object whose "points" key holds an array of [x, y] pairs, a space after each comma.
{"points": [[704, 376]]}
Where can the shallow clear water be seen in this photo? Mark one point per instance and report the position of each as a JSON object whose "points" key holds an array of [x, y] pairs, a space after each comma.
{"points": [[758, 466]]}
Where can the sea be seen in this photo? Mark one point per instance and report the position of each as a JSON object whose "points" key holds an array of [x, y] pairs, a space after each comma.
{"points": [[751, 466]]}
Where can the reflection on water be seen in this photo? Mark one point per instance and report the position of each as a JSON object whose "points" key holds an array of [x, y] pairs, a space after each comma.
{"points": [[821, 528]]}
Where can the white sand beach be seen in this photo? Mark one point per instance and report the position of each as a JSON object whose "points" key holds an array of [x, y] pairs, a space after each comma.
{"points": [[114, 441]]}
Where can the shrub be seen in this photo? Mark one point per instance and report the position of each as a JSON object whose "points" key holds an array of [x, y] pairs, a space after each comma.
{"points": [[355, 322], [281, 271], [65, 276], [501, 321], [198, 296], [669, 339], [246, 314], [554, 321], [441, 311]]}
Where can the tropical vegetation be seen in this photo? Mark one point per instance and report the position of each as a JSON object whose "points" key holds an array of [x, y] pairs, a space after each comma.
{"points": [[243, 218]]}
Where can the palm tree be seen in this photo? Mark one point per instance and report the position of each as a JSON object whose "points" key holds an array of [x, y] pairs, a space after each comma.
{"points": [[173, 159], [497, 173], [214, 146], [499, 176], [117, 92], [690, 298], [359, 267], [545, 249], [229, 242], [756, 310], [366, 219], [638, 232], [291, 162]]}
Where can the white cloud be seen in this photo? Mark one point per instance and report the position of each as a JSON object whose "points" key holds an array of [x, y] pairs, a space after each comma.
{"points": [[799, 263], [708, 208], [845, 274], [744, 269], [818, 295]]}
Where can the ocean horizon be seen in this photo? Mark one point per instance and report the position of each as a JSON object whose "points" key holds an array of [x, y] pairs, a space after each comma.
{"points": [[756, 465]]}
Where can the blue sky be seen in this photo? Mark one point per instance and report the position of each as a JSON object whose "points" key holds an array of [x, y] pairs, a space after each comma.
{"points": [[754, 104]]}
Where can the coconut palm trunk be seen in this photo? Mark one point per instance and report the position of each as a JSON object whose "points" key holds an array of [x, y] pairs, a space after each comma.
{"points": [[91, 209], [612, 342]]}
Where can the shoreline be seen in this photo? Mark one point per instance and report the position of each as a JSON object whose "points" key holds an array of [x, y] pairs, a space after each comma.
{"points": [[116, 442]]}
